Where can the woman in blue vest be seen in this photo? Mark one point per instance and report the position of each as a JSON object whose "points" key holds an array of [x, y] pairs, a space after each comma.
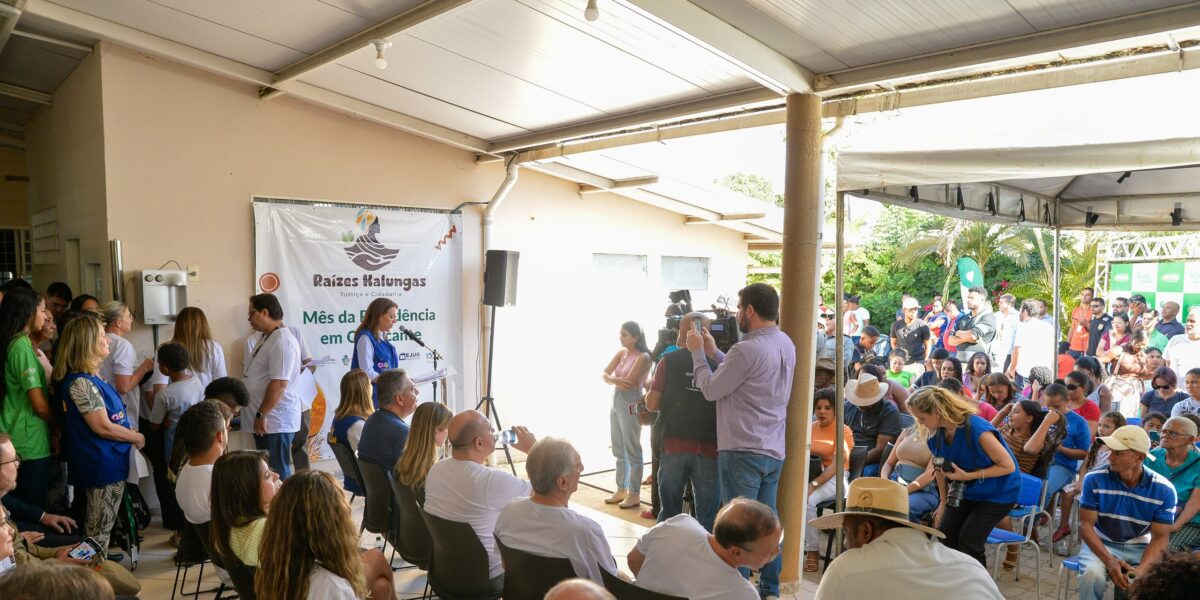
{"points": [[97, 436], [976, 461], [354, 407], [372, 352]]}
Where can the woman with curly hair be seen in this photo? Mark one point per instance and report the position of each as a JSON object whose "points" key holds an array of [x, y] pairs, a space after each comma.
{"points": [[978, 367], [310, 547], [427, 435]]}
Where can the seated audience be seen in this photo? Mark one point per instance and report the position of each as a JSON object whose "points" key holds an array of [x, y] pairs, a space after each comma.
{"points": [[678, 557], [1153, 423], [1125, 516], [385, 432], [997, 390], [823, 443], [896, 370], [578, 589], [875, 424], [888, 556], [543, 524], [1191, 404], [1039, 378], [202, 431], [354, 407], [1079, 388], [909, 465], [1096, 458], [934, 374], [1163, 395], [1100, 393], [25, 548], [1065, 434], [426, 440], [463, 489], [310, 547], [183, 391], [1175, 577], [978, 366], [43, 581], [896, 393], [242, 489], [1017, 422], [1178, 460], [952, 369]]}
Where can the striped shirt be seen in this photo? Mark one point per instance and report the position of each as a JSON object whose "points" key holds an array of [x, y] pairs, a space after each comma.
{"points": [[1125, 513]]}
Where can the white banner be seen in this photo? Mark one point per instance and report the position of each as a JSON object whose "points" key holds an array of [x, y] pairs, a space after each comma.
{"points": [[326, 263]]}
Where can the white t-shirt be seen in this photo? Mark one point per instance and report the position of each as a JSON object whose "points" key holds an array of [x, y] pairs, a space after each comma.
{"points": [[323, 585], [206, 373], [468, 492], [903, 562], [1006, 326], [122, 360], [1188, 406], [1035, 338], [171, 401], [276, 358], [557, 532], [681, 562], [1182, 354], [305, 356], [192, 492]]}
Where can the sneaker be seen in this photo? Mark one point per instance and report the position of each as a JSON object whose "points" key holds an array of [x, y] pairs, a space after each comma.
{"points": [[616, 497]]}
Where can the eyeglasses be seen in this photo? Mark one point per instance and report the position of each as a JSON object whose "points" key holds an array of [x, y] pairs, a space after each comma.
{"points": [[1163, 387], [827, 316], [769, 555], [1172, 434], [1072, 386], [16, 461]]}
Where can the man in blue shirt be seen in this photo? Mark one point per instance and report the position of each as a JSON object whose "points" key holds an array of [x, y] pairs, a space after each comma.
{"points": [[1125, 516], [385, 431]]}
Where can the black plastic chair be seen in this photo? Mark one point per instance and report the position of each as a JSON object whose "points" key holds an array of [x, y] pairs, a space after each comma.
{"points": [[379, 509], [192, 552], [202, 532], [458, 567], [624, 590], [887, 452], [348, 463], [243, 578], [413, 542], [529, 576], [858, 462]]}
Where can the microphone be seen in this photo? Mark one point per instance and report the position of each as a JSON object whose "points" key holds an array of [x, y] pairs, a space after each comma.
{"points": [[412, 336]]}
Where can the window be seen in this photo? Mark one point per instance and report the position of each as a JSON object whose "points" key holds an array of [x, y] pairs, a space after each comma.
{"points": [[14, 254], [620, 267], [685, 272]]}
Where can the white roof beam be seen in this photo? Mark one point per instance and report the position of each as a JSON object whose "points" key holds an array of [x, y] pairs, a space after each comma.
{"points": [[620, 184], [1141, 24], [51, 40], [187, 55], [406, 20], [725, 218], [15, 91], [759, 61]]}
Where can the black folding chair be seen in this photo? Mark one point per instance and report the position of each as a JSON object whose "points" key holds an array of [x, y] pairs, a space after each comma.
{"points": [[348, 463], [458, 567], [624, 590], [858, 462], [529, 576]]}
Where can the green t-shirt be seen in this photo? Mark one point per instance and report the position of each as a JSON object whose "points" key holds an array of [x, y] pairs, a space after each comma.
{"points": [[1185, 477], [904, 377], [30, 434]]}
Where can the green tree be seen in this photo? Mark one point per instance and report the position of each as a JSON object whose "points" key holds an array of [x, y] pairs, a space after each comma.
{"points": [[954, 238], [754, 186], [1077, 262]]}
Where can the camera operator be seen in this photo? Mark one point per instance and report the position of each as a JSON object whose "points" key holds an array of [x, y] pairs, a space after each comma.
{"points": [[977, 479], [751, 388], [689, 429]]}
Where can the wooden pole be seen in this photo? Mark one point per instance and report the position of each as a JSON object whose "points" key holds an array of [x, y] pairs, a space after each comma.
{"points": [[803, 188]]}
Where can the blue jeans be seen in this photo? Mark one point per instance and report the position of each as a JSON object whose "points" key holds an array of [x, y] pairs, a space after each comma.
{"points": [[754, 476], [626, 437], [1093, 577], [279, 450], [674, 471], [871, 470], [1057, 477]]}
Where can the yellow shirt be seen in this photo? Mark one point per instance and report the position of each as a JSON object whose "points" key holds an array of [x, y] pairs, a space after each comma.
{"points": [[244, 541]]}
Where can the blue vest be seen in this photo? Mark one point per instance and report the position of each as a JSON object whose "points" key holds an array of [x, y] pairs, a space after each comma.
{"points": [[383, 354], [966, 452], [339, 432], [93, 461]]}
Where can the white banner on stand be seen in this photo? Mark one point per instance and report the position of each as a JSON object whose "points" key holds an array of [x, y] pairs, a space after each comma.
{"points": [[326, 262]]}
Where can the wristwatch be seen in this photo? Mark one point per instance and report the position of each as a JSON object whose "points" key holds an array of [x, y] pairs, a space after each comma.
{"points": [[258, 416]]}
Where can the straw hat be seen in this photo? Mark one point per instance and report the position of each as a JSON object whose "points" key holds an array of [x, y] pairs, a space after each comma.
{"points": [[874, 497], [825, 363], [866, 391]]}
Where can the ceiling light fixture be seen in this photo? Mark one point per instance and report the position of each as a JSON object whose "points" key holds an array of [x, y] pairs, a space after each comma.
{"points": [[381, 61], [592, 12]]}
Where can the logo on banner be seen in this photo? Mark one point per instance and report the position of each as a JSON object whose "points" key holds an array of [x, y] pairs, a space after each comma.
{"points": [[367, 252], [268, 283], [1121, 278]]}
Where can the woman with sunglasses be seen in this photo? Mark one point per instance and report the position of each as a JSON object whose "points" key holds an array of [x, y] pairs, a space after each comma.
{"points": [[1079, 385], [1163, 395]]}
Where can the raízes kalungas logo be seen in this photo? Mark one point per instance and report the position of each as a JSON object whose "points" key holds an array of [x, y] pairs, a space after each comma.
{"points": [[370, 255]]}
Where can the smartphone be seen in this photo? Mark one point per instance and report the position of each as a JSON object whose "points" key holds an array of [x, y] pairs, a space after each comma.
{"points": [[1154, 436], [637, 408], [696, 325], [85, 550]]}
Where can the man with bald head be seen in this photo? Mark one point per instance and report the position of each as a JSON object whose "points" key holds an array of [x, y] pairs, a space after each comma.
{"points": [[463, 489], [578, 589], [689, 430]]}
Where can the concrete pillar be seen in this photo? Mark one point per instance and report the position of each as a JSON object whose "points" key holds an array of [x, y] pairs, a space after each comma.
{"points": [[801, 268]]}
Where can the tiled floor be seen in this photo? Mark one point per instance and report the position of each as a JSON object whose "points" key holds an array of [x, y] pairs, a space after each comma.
{"points": [[622, 527]]}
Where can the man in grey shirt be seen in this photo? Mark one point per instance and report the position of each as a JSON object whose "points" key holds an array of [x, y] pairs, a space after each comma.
{"points": [[751, 386], [975, 334]]}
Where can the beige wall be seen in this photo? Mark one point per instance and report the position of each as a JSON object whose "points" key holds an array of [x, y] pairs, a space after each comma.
{"points": [[65, 154], [14, 195], [185, 152]]}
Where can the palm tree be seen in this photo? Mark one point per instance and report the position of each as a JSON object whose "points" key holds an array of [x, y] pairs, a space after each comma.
{"points": [[1078, 270], [955, 238]]}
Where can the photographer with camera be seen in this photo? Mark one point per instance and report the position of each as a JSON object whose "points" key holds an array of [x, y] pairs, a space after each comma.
{"points": [[976, 473]]}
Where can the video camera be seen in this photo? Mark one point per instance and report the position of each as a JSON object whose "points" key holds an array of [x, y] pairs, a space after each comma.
{"points": [[723, 327]]}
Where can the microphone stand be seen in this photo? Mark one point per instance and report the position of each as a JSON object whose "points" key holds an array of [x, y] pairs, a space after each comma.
{"points": [[436, 356]]}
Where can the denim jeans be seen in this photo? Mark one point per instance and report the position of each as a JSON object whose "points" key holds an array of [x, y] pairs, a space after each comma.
{"points": [[1056, 478], [1093, 577], [755, 476], [299, 446], [279, 449], [674, 471], [626, 437]]}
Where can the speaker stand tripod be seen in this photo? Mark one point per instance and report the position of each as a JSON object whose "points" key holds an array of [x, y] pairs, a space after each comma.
{"points": [[488, 403]]}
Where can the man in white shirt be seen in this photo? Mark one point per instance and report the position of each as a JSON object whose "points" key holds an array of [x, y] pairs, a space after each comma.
{"points": [[463, 489], [678, 557], [890, 557], [1007, 321], [1183, 351], [1033, 343], [274, 407], [543, 524], [202, 431]]}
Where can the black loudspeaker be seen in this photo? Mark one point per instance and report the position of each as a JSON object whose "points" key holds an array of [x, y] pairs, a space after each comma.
{"points": [[500, 278]]}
